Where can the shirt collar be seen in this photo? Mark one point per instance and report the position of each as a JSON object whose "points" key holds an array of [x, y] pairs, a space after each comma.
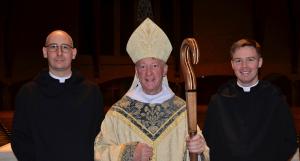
{"points": [[139, 95], [247, 88], [61, 79]]}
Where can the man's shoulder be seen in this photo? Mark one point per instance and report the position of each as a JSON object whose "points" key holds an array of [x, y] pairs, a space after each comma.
{"points": [[268, 85], [227, 89], [123, 102], [267, 88], [27, 90], [90, 84], [29, 85], [178, 101]]}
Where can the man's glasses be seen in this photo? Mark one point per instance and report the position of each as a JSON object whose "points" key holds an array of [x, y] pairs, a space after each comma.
{"points": [[65, 48]]}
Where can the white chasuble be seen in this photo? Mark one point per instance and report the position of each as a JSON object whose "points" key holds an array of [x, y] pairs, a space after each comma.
{"points": [[161, 126]]}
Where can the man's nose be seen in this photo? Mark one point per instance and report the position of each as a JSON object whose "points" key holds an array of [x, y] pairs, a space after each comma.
{"points": [[148, 71], [244, 63], [59, 51]]}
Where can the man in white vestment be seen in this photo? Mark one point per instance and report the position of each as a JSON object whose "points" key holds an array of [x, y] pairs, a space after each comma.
{"points": [[150, 121]]}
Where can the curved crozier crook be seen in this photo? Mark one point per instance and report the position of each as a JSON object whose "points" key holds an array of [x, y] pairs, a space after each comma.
{"points": [[189, 48]]}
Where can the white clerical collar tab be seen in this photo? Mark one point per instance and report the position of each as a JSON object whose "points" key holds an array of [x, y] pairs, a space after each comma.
{"points": [[61, 79], [247, 88]]}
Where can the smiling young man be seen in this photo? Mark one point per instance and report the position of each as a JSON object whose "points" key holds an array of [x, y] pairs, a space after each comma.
{"points": [[245, 64], [248, 119], [58, 113], [149, 122]]}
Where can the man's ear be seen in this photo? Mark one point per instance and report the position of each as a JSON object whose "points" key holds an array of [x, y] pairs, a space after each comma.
{"points": [[74, 53], [135, 69], [165, 70], [45, 52], [260, 63], [231, 62]]}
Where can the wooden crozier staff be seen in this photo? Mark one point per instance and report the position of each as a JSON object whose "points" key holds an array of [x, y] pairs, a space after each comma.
{"points": [[189, 45]]}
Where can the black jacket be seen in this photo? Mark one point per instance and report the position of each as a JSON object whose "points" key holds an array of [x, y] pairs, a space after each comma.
{"points": [[57, 121], [249, 126]]}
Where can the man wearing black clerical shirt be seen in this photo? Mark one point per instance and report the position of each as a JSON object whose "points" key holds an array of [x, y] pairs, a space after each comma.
{"points": [[58, 113], [248, 119]]}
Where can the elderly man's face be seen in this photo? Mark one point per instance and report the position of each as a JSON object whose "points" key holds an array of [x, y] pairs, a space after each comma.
{"points": [[150, 72]]}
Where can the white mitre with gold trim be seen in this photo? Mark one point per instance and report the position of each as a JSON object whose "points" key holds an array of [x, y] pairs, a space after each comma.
{"points": [[148, 40]]}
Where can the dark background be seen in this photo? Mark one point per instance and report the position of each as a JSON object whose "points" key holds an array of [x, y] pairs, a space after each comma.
{"points": [[101, 28]]}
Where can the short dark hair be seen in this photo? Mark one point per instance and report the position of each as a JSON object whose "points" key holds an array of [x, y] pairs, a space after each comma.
{"points": [[245, 42]]}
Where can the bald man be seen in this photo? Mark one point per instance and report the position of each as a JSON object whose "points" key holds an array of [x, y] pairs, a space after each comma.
{"points": [[59, 112]]}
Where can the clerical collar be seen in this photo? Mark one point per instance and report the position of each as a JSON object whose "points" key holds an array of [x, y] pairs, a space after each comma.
{"points": [[247, 89], [61, 79], [139, 95]]}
